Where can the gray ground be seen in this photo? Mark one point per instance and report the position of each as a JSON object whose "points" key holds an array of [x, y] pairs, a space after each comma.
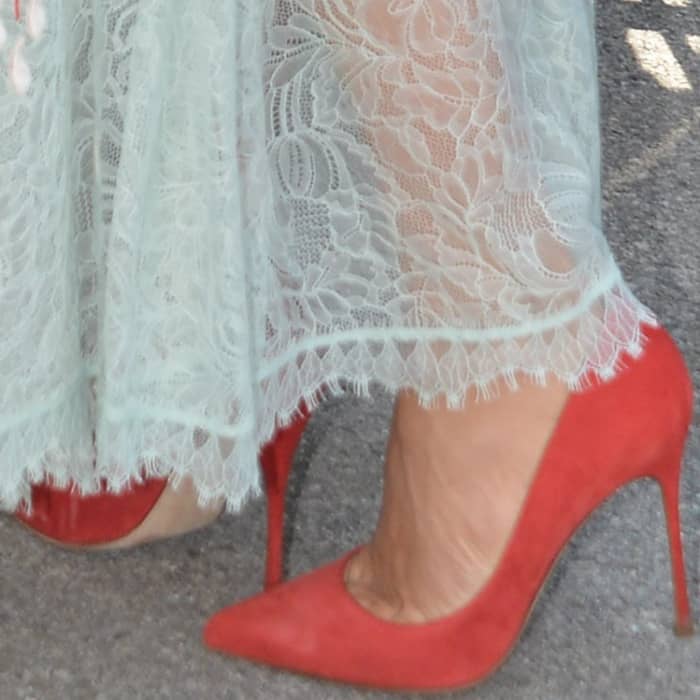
{"points": [[128, 625]]}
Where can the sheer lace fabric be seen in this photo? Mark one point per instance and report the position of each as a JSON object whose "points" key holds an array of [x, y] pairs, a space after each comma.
{"points": [[209, 211]]}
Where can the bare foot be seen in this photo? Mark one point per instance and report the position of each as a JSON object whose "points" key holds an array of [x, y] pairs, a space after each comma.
{"points": [[455, 482]]}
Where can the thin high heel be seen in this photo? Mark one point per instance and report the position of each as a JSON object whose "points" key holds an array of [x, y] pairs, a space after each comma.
{"points": [[277, 460], [631, 427], [669, 482], [114, 521]]}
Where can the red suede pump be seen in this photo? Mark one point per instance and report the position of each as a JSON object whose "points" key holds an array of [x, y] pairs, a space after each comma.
{"points": [[631, 427], [97, 521]]}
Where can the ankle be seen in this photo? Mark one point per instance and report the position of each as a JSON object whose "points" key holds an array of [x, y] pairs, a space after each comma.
{"points": [[454, 484]]}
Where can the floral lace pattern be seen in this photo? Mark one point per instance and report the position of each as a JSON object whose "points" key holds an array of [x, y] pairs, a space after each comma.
{"points": [[213, 210], [34, 17]]}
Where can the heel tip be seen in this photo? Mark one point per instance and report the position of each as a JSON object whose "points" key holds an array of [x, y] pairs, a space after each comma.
{"points": [[685, 630]]}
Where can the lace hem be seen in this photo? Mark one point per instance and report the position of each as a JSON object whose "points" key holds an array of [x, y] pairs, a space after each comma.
{"points": [[132, 442]]}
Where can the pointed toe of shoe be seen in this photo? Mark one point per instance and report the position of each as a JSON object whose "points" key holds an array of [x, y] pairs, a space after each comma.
{"points": [[264, 628], [298, 626], [253, 630], [313, 627]]}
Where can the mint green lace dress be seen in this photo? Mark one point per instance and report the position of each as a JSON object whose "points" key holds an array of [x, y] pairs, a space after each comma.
{"points": [[211, 210]]}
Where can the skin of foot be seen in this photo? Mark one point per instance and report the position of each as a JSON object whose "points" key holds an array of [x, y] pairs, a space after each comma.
{"points": [[454, 484], [176, 513]]}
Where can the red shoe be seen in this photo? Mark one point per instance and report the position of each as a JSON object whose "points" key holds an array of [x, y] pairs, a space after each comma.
{"points": [[276, 459], [616, 432], [112, 521]]}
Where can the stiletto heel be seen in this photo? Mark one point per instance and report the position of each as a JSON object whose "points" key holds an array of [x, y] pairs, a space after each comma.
{"points": [[608, 436], [276, 460], [669, 481]]}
